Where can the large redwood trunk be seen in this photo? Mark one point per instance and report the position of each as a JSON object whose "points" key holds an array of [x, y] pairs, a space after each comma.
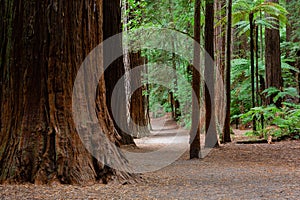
{"points": [[138, 103], [222, 105], [138, 115], [211, 138], [43, 45], [113, 74]]}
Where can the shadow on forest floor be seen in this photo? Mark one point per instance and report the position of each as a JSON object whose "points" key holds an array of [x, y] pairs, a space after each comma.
{"points": [[232, 171]]}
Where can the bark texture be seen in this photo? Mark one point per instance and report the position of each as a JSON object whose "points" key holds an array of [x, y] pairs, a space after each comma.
{"points": [[195, 148], [226, 130], [112, 26], [139, 120], [137, 104], [211, 138], [251, 15], [273, 60], [220, 37], [43, 45]]}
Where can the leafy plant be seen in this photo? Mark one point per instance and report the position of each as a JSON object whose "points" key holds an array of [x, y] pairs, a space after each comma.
{"points": [[283, 121], [278, 94]]}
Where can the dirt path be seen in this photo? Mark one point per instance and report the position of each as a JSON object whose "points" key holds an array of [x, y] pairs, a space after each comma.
{"points": [[233, 171]]}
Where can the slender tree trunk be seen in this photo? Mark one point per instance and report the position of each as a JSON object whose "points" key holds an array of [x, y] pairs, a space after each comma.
{"points": [[261, 78], [252, 66], [113, 74], [175, 103], [259, 99], [261, 40], [175, 99], [171, 92], [39, 63], [211, 138], [297, 79], [262, 86], [195, 129], [256, 67], [171, 101], [288, 25], [226, 130], [148, 99], [273, 60]]}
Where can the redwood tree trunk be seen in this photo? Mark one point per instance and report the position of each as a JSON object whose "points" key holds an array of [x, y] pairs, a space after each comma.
{"points": [[226, 129], [112, 26], [195, 148], [252, 67], [273, 60], [43, 46], [211, 139], [138, 104], [220, 37]]}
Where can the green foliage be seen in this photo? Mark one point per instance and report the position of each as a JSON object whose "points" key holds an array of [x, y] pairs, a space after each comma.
{"points": [[159, 95], [241, 84], [288, 72], [178, 15], [278, 94], [266, 14], [294, 13], [283, 121]]}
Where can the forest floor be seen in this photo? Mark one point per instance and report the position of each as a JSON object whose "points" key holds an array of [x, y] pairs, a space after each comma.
{"points": [[232, 171]]}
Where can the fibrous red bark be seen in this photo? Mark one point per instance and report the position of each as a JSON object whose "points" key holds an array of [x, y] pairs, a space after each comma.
{"points": [[43, 45]]}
